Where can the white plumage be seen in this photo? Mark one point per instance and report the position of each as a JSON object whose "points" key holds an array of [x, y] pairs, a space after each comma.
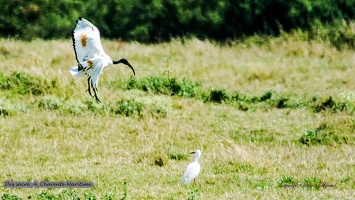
{"points": [[193, 169], [90, 55]]}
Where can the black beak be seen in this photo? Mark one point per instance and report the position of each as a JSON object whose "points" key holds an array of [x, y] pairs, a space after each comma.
{"points": [[130, 66], [192, 152], [125, 61]]}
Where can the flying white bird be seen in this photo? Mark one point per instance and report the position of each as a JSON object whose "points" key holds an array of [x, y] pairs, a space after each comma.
{"points": [[193, 169], [90, 55]]}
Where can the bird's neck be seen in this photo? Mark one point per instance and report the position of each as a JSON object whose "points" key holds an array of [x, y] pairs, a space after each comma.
{"points": [[116, 62]]}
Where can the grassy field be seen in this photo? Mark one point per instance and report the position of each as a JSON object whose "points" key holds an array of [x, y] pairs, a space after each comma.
{"points": [[274, 118]]}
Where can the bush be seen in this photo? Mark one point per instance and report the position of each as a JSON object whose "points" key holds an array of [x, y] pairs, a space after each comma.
{"points": [[165, 85], [287, 181], [161, 20], [178, 156], [6, 110], [9, 109], [218, 96], [96, 108], [313, 182], [129, 108], [50, 103], [333, 105], [267, 95], [322, 136], [75, 107], [24, 83], [158, 112], [9, 197]]}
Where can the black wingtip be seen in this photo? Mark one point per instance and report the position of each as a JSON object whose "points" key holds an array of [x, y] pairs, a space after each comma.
{"points": [[79, 19]]}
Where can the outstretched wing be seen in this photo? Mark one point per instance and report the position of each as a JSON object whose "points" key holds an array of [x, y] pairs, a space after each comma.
{"points": [[86, 40]]}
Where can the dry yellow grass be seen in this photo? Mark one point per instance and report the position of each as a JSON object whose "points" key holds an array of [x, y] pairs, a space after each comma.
{"points": [[245, 154]]}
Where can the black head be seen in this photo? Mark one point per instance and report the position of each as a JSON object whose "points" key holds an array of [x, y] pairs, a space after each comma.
{"points": [[125, 61]]}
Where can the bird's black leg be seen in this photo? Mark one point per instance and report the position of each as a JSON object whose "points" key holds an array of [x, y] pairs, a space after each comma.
{"points": [[89, 87], [95, 92], [97, 98]]}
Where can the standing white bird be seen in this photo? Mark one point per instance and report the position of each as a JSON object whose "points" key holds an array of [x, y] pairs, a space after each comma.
{"points": [[193, 169], [90, 55]]}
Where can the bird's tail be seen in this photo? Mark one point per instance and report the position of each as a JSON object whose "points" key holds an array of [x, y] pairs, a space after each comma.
{"points": [[76, 72]]}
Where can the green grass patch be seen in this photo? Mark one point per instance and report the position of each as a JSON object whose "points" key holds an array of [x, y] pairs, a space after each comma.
{"points": [[265, 114], [333, 105], [323, 135], [193, 194], [255, 136], [312, 183], [75, 107], [217, 96], [233, 167], [8, 109], [50, 103], [69, 194], [129, 107], [287, 181], [97, 108], [178, 156], [6, 196], [308, 183], [164, 85], [24, 83]]}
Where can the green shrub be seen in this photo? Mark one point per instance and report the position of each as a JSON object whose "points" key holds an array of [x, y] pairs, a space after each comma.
{"points": [[45, 195], [9, 109], [333, 105], [69, 194], [193, 194], [158, 112], [178, 156], [158, 106], [260, 184], [75, 107], [159, 20], [6, 196], [340, 34], [165, 85], [88, 195], [6, 110], [287, 181], [321, 136], [267, 95], [312, 182], [326, 104], [218, 96], [50, 103], [96, 108], [24, 83], [348, 100], [129, 108], [281, 102]]}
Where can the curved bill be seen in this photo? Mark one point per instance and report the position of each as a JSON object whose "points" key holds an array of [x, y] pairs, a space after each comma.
{"points": [[130, 66], [125, 61]]}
